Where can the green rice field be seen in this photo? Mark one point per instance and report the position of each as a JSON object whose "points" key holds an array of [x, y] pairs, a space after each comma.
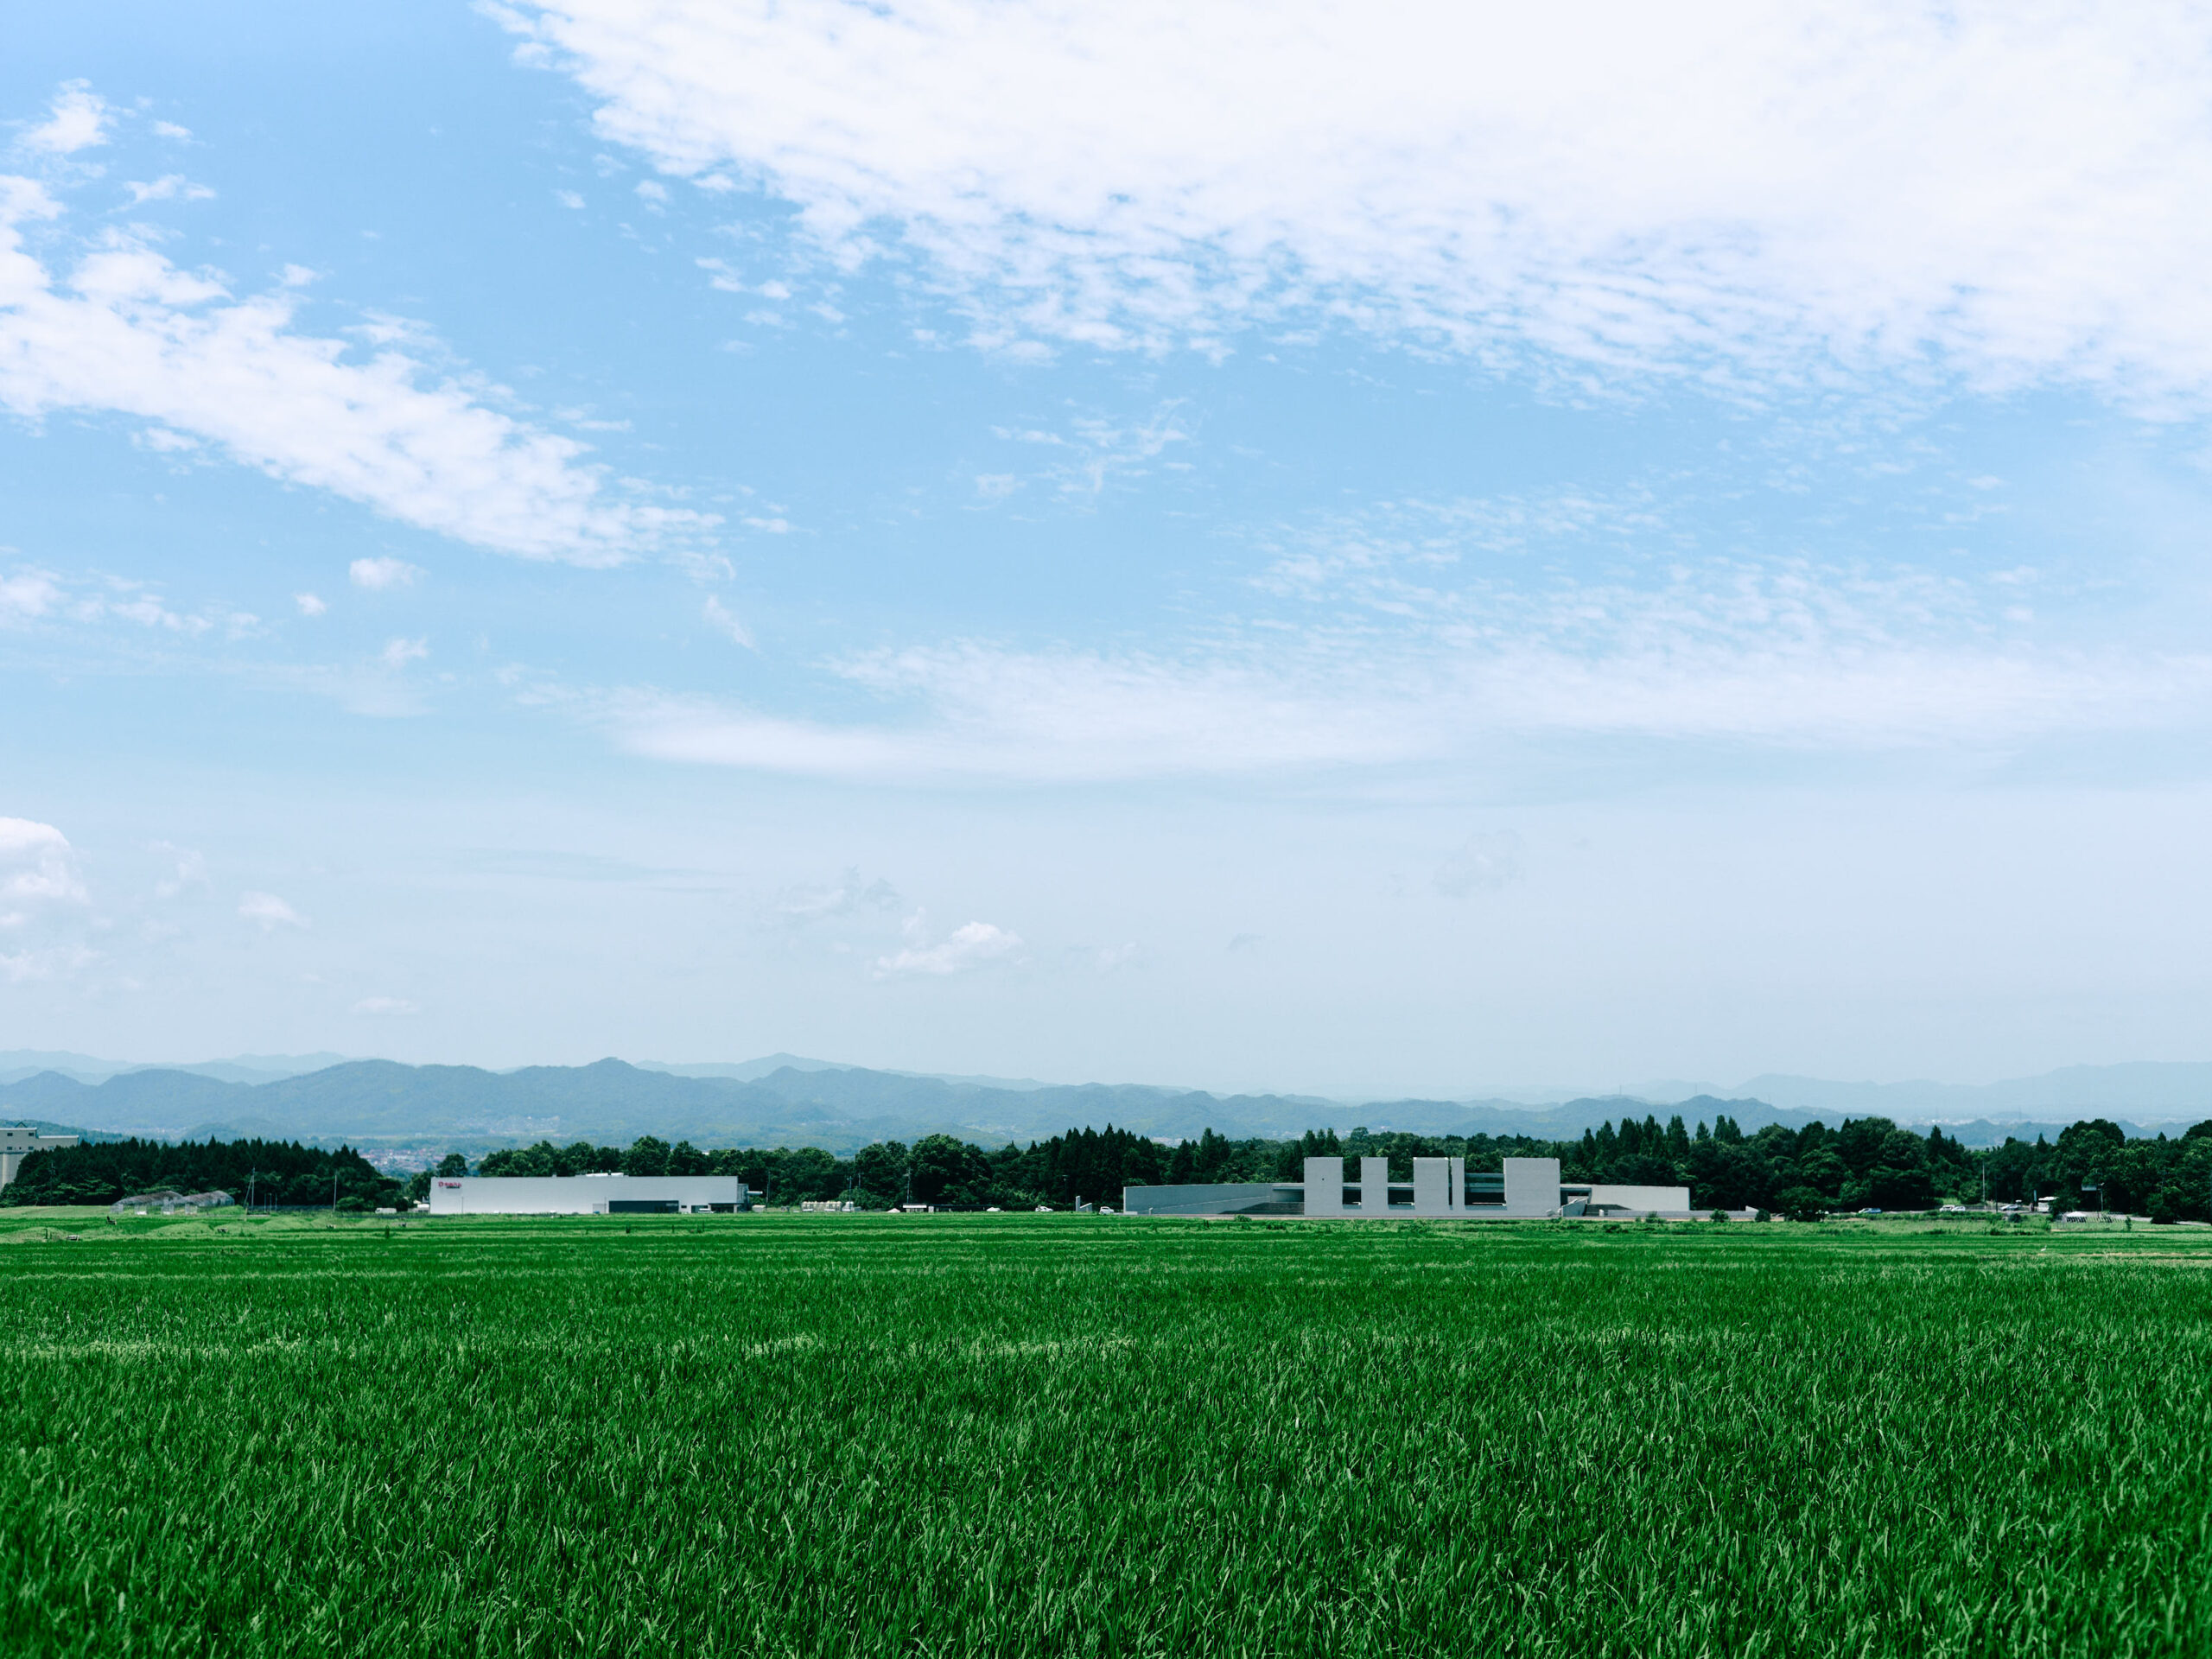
{"points": [[1077, 1435]]}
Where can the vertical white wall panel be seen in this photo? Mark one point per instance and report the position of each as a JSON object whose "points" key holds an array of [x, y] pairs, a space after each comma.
{"points": [[1324, 1186]]}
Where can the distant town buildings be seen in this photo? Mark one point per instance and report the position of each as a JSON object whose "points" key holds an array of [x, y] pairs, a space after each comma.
{"points": [[1441, 1188]]}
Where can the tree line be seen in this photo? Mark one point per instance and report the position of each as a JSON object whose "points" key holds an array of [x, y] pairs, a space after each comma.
{"points": [[1867, 1161], [282, 1172], [1870, 1161]]}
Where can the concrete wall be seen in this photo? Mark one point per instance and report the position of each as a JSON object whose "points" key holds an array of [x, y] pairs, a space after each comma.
{"points": [[1326, 1182], [1531, 1188], [1433, 1193], [1324, 1186], [572, 1195], [1671, 1199]]}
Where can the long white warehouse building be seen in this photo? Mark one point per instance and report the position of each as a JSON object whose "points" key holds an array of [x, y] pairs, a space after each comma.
{"points": [[1526, 1189], [585, 1195]]}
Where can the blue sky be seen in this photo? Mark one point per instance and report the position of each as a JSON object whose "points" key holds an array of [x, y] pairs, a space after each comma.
{"points": [[1393, 547]]}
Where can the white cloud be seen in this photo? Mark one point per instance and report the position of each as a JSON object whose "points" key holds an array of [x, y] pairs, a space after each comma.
{"points": [[39, 594], [397, 653], [727, 621], [37, 870], [385, 1005], [270, 911], [77, 119], [2013, 186], [172, 187], [28, 595], [44, 904], [379, 574], [973, 944], [568, 199], [170, 130], [149, 610], [126, 331], [309, 605]]}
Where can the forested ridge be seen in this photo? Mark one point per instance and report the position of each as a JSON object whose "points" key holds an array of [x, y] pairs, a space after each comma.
{"points": [[282, 1172], [1864, 1162]]}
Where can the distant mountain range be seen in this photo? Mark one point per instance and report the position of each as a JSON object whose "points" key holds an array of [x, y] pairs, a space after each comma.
{"points": [[16, 1065], [788, 1099]]}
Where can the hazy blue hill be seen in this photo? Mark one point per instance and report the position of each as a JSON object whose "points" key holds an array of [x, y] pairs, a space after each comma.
{"points": [[2152, 1090], [20, 1064], [839, 1108], [743, 1070], [129, 1100], [48, 1094], [604, 1100]]}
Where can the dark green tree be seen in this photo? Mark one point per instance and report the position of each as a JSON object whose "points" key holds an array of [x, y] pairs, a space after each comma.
{"points": [[881, 1172], [647, 1156], [685, 1158]]}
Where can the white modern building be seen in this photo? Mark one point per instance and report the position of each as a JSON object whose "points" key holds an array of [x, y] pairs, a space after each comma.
{"points": [[18, 1141], [1526, 1189], [585, 1195]]}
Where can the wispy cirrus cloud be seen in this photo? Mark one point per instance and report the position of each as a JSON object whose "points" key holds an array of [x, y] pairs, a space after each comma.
{"points": [[30, 597], [727, 622], [804, 904], [1372, 667], [124, 330], [2004, 192]]}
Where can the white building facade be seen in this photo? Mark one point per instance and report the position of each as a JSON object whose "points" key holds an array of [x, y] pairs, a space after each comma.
{"points": [[1526, 1189], [585, 1195]]}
